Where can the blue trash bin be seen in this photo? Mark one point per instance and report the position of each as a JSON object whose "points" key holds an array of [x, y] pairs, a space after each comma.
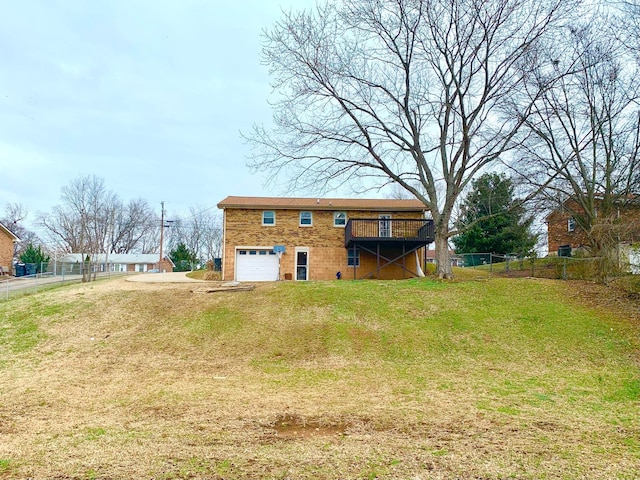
{"points": [[30, 269], [20, 270]]}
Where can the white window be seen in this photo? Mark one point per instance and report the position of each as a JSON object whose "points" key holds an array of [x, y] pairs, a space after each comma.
{"points": [[306, 219], [268, 217], [339, 219], [571, 224]]}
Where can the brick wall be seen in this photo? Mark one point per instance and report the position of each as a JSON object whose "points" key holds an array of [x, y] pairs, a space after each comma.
{"points": [[165, 266], [6, 251], [327, 254], [559, 234]]}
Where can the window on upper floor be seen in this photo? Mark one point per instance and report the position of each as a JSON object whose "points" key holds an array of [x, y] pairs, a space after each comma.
{"points": [[571, 224], [339, 219], [306, 219], [268, 217]]}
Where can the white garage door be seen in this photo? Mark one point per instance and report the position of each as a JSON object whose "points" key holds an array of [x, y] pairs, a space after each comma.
{"points": [[259, 265]]}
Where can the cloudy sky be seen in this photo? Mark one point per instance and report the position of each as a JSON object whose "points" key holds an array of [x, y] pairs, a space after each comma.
{"points": [[148, 95]]}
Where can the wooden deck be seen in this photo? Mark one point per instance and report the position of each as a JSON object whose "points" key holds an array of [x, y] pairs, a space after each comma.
{"points": [[390, 232]]}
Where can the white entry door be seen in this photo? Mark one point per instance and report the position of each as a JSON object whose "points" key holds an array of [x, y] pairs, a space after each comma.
{"points": [[384, 228], [302, 264], [256, 265]]}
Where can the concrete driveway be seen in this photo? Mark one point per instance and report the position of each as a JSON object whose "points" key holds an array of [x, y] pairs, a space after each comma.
{"points": [[170, 277]]}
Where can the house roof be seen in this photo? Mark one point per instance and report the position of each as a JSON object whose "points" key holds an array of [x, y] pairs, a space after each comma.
{"points": [[288, 203], [431, 254], [127, 258], [13, 236], [623, 202]]}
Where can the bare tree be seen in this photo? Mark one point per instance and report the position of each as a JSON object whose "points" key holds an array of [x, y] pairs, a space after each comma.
{"points": [[628, 21], [14, 216], [587, 136], [92, 219], [84, 221], [200, 231], [134, 226], [212, 245], [419, 93]]}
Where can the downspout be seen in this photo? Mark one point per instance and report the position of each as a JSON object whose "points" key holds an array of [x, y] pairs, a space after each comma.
{"points": [[418, 267]]}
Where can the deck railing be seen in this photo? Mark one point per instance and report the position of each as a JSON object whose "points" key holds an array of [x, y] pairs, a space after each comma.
{"points": [[388, 229]]}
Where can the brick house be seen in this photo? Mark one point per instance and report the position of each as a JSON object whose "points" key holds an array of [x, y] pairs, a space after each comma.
{"points": [[268, 238], [7, 249], [564, 231]]}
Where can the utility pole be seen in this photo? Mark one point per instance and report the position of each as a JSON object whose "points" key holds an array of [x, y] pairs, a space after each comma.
{"points": [[161, 235]]}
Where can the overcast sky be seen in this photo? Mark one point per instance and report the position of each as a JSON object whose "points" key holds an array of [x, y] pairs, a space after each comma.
{"points": [[148, 95]]}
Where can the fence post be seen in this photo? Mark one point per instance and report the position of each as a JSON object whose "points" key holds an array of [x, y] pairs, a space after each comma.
{"points": [[491, 263], [507, 266], [564, 268], [533, 267]]}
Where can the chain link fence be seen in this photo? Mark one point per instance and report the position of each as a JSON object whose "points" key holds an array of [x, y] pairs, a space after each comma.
{"points": [[32, 277], [560, 267]]}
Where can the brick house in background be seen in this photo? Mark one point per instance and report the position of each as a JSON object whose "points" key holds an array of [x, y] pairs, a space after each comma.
{"points": [[268, 238], [563, 230], [7, 248]]}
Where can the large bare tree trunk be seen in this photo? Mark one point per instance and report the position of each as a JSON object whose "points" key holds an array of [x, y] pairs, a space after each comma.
{"points": [[443, 258]]}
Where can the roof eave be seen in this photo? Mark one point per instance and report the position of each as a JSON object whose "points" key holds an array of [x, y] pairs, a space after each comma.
{"points": [[260, 203], [325, 208], [15, 238]]}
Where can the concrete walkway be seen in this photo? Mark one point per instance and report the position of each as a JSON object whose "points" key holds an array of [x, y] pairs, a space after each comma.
{"points": [[170, 277]]}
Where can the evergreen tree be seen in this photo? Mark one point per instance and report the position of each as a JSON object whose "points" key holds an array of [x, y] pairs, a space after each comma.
{"points": [[34, 255], [491, 222], [182, 258]]}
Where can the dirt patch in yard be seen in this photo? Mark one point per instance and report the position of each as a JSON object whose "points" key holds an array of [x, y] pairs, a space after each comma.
{"points": [[291, 427]]}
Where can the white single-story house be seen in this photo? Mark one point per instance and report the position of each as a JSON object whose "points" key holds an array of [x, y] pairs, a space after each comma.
{"points": [[120, 262]]}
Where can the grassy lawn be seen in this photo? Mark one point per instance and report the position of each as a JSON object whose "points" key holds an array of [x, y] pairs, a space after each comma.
{"points": [[480, 378]]}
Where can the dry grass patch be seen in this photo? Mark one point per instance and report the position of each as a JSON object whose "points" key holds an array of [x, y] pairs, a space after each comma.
{"points": [[413, 379], [205, 275]]}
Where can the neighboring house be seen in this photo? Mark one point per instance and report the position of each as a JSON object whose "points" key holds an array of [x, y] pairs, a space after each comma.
{"points": [[117, 262], [269, 239], [565, 235], [7, 249], [456, 260]]}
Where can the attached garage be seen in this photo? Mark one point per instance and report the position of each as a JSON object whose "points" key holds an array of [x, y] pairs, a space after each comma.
{"points": [[256, 265]]}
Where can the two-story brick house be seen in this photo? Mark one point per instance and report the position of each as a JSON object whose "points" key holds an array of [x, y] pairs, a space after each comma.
{"points": [[563, 231], [268, 238], [7, 248]]}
